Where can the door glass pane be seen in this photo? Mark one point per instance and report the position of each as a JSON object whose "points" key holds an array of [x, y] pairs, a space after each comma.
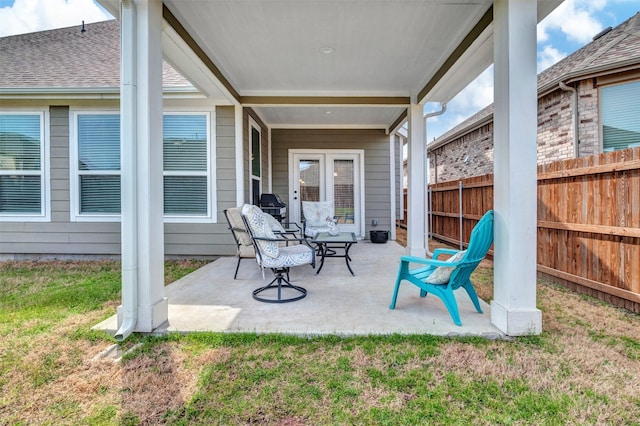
{"points": [[309, 180], [343, 191], [255, 191], [255, 152]]}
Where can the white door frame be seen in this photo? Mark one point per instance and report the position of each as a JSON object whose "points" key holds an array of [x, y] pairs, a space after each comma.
{"points": [[325, 157]]}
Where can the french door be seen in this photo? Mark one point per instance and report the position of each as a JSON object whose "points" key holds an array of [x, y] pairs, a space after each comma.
{"points": [[334, 175]]}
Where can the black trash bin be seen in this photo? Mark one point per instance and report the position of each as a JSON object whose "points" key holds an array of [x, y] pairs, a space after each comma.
{"points": [[379, 237]]}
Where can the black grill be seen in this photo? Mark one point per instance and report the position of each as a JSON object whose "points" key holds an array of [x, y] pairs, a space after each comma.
{"points": [[273, 205]]}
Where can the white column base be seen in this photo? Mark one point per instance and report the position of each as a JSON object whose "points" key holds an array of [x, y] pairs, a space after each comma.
{"points": [[416, 251], [516, 322], [149, 317]]}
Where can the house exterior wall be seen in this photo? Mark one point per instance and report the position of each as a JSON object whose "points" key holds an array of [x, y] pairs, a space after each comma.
{"points": [[376, 164], [62, 237], [555, 127], [555, 136], [469, 155], [588, 118]]}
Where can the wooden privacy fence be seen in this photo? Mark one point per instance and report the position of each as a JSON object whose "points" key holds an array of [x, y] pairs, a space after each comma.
{"points": [[588, 222]]}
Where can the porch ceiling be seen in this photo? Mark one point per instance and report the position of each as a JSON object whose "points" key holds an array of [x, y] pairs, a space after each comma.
{"points": [[416, 50]]}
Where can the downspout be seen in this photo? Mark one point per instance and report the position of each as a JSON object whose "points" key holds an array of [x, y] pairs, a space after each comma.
{"points": [[574, 108], [128, 147], [443, 108]]}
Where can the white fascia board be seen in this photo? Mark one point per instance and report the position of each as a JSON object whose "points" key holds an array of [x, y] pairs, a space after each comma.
{"points": [[477, 58], [180, 56], [189, 92], [401, 128], [112, 6], [326, 94], [330, 126]]}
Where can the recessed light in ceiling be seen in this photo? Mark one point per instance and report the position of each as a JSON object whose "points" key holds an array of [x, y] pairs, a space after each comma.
{"points": [[327, 50]]}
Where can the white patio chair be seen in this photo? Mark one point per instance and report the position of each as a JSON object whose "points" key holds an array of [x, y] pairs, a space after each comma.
{"points": [[317, 217], [270, 254]]}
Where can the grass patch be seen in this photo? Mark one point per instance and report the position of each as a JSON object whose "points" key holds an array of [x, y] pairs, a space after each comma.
{"points": [[584, 368]]}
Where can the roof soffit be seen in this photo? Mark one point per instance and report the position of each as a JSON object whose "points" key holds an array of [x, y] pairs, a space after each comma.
{"points": [[270, 49]]}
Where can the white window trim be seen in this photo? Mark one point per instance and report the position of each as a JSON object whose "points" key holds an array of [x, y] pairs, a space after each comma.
{"points": [[210, 217], [74, 172], [45, 169], [254, 125]]}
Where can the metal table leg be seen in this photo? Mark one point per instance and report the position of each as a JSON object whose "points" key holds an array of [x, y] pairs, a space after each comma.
{"points": [[347, 246], [323, 252]]}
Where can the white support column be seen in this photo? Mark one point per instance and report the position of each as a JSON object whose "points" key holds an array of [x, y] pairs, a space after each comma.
{"points": [[269, 163], [513, 309], [393, 163], [416, 182], [239, 126], [142, 180]]}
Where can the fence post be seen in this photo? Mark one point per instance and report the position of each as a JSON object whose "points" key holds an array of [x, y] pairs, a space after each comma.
{"points": [[460, 209], [430, 212]]}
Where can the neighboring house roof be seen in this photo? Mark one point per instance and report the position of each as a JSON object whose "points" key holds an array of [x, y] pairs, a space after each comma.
{"points": [[69, 58], [612, 50]]}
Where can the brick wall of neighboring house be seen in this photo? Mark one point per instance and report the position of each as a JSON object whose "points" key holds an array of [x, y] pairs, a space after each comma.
{"points": [[588, 119], [555, 127], [555, 137], [469, 155]]}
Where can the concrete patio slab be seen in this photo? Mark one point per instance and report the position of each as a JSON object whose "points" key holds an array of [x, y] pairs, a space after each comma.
{"points": [[337, 303]]}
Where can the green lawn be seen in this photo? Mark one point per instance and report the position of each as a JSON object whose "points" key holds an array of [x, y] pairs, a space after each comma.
{"points": [[584, 368]]}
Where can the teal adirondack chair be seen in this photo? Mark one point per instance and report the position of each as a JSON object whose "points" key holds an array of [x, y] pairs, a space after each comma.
{"points": [[443, 277]]}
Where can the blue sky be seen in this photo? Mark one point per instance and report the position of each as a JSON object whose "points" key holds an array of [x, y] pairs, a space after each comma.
{"points": [[572, 25]]}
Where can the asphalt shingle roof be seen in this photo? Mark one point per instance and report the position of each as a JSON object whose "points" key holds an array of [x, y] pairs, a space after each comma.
{"points": [[67, 57], [619, 46]]}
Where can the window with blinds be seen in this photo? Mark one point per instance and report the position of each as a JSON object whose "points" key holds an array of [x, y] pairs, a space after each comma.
{"points": [[21, 164], [98, 163], [186, 165], [620, 111]]}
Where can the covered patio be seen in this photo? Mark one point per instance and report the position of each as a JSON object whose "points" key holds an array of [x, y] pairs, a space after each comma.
{"points": [[318, 66], [337, 303]]}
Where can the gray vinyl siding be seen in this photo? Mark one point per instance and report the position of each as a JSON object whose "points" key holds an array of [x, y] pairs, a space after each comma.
{"points": [[62, 237], [376, 164]]}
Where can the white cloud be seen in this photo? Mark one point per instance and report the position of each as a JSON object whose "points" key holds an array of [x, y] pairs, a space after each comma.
{"points": [[577, 19], [37, 15], [477, 95], [548, 56]]}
